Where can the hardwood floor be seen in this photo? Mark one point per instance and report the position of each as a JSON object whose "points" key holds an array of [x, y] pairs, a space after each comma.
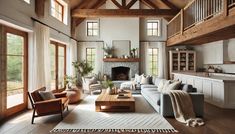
{"points": [[218, 121]]}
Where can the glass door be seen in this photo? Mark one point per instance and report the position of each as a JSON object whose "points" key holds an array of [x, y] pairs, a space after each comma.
{"points": [[16, 70]]}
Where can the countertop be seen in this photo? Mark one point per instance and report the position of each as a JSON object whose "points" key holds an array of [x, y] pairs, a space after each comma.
{"points": [[212, 76]]}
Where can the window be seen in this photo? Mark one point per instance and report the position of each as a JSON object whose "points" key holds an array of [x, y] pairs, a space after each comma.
{"points": [[90, 56], [59, 10], [58, 65], [27, 1], [153, 28], [153, 61], [92, 28]]}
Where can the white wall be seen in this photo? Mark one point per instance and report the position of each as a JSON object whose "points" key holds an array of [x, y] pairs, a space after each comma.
{"points": [[213, 52], [133, 29], [19, 13]]}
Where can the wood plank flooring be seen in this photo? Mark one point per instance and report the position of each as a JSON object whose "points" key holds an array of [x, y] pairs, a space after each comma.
{"points": [[218, 121]]}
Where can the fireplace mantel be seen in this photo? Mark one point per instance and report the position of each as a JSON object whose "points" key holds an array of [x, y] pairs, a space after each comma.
{"points": [[121, 60]]}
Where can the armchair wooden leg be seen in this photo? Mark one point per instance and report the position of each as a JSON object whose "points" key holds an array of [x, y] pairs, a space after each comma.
{"points": [[67, 108], [61, 115], [32, 122]]}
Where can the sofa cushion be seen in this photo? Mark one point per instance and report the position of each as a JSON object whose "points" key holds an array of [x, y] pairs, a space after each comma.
{"points": [[47, 95], [148, 86], [152, 94]]}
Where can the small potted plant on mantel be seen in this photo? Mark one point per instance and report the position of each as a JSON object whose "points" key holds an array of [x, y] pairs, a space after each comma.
{"points": [[109, 51]]}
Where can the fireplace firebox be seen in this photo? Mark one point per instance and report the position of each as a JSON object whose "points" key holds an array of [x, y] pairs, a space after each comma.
{"points": [[120, 73]]}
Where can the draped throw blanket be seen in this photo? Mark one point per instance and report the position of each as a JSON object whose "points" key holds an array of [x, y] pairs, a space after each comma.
{"points": [[183, 108]]}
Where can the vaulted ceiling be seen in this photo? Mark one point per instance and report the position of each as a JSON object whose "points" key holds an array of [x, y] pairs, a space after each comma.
{"points": [[80, 9]]}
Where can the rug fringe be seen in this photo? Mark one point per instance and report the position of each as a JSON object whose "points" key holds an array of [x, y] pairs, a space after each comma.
{"points": [[114, 130]]}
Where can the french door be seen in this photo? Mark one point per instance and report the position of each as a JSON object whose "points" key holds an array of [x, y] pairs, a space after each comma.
{"points": [[58, 65], [15, 72]]}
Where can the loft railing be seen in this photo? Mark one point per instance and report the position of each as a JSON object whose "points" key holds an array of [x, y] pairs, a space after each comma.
{"points": [[231, 3], [196, 12], [174, 26]]}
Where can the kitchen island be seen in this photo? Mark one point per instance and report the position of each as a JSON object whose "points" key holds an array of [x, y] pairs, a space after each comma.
{"points": [[218, 89]]}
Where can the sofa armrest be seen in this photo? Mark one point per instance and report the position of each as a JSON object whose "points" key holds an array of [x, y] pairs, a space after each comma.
{"points": [[198, 103], [166, 105]]}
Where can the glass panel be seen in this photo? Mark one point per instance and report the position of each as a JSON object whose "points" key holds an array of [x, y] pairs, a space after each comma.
{"points": [[95, 32], [155, 51], [61, 72], [89, 25], [155, 32], [149, 25], [61, 51], [15, 70], [155, 25], [15, 44], [95, 25], [53, 66], [89, 32], [149, 32]]}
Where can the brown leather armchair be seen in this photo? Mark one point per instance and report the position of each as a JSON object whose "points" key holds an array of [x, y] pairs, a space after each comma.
{"points": [[47, 107]]}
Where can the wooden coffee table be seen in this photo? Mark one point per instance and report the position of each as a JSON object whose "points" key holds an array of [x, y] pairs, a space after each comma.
{"points": [[110, 103]]}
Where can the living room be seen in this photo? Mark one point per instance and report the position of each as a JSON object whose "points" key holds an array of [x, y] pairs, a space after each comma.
{"points": [[117, 66]]}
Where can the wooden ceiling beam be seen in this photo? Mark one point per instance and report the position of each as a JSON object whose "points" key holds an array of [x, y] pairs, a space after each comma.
{"points": [[169, 4], [150, 4], [130, 4], [124, 13], [95, 6], [117, 4], [81, 5], [123, 3], [39, 7]]}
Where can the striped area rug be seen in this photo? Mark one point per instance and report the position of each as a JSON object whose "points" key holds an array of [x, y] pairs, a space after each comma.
{"points": [[84, 119]]}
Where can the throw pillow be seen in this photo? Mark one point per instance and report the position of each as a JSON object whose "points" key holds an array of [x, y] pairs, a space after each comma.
{"points": [[174, 85], [46, 95], [138, 78], [144, 80], [161, 85], [157, 81]]}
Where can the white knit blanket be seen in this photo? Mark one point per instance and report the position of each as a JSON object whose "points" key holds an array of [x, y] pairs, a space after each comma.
{"points": [[84, 119]]}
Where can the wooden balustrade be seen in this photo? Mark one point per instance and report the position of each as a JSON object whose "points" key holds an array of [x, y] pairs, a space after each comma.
{"points": [[231, 3], [174, 26], [195, 13]]}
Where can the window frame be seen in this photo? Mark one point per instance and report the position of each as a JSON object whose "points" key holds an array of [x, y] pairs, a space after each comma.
{"points": [[87, 61], [158, 29], [151, 69], [57, 45], [64, 6], [87, 28], [12, 110]]}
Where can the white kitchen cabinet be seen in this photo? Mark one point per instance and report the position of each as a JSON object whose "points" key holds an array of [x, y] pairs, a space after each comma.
{"points": [[198, 85], [190, 81], [217, 92], [207, 89]]}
